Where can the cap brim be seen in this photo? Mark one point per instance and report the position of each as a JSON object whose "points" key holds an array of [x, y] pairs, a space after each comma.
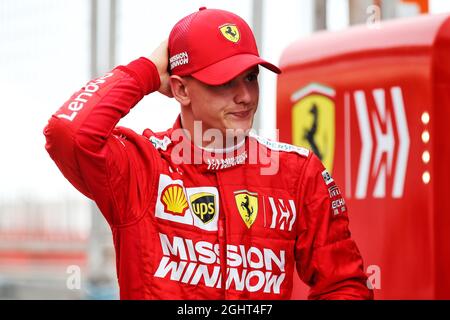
{"points": [[229, 68]]}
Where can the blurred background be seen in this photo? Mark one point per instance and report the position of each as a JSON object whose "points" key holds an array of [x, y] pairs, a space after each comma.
{"points": [[54, 244]]}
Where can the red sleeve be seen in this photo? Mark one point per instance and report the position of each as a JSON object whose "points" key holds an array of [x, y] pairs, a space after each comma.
{"points": [[81, 141], [328, 260]]}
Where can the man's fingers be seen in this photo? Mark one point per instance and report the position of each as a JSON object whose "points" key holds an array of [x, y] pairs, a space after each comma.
{"points": [[160, 58]]}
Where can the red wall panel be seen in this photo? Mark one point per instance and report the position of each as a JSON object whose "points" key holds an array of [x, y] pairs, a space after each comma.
{"points": [[381, 83]]}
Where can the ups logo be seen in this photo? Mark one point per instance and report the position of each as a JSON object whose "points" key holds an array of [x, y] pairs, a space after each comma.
{"points": [[203, 205], [313, 121]]}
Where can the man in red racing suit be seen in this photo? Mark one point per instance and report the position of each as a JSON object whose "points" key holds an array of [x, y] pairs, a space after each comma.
{"points": [[194, 223]]}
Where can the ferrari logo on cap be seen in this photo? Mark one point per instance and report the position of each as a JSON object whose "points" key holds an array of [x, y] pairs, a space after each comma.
{"points": [[247, 204], [230, 32]]}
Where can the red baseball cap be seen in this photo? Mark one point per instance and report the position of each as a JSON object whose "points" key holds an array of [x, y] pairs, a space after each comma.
{"points": [[213, 46]]}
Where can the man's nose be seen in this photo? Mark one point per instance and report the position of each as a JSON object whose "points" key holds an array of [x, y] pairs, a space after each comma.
{"points": [[242, 94]]}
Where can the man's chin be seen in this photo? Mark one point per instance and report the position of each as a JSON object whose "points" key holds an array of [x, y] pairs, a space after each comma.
{"points": [[240, 126]]}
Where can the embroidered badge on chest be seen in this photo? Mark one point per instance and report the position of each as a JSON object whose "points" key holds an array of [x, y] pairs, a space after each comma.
{"points": [[247, 205]]}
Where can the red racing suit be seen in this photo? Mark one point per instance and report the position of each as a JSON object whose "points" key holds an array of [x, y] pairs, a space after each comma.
{"points": [[189, 223]]}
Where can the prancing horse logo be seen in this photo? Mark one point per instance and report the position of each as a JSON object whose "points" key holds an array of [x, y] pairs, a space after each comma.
{"points": [[311, 132], [230, 32], [247, 204], [313, 121]]}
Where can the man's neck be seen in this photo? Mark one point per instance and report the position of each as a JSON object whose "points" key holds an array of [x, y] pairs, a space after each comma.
{"points": [[223, 146]]}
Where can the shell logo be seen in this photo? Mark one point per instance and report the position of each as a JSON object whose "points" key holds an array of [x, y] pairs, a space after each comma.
{"points": [[174, 200]]}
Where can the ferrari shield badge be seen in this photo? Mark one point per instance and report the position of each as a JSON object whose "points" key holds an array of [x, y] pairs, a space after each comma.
{"points": [[247, 204], [313, 121], [230, 32]]}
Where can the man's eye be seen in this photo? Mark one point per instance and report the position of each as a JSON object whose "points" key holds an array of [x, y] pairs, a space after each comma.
{"points": [[252, 77]]}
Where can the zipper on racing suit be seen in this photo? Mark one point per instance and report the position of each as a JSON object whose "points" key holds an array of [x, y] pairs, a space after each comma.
{"points": [[222, 238]]}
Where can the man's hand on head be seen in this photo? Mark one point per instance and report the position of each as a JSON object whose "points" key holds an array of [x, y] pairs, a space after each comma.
{"points": [[160, 57]]}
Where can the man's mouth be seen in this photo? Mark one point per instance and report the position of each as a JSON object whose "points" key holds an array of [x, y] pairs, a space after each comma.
{"points": [[242, 114]]}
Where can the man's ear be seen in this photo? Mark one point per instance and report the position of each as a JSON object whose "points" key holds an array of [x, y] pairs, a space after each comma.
{"points": [[179, 90]]}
